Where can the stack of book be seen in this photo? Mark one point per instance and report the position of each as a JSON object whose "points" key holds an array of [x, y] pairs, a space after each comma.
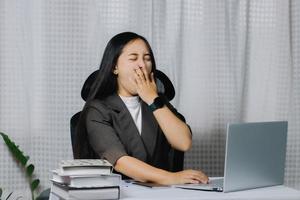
{"points": [[85, 179]]}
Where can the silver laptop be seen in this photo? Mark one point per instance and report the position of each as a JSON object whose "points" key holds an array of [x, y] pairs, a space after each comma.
{"points": [[255, 157]]}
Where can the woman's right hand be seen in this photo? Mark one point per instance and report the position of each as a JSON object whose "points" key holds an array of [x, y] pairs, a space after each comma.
{"points": [[186, 176], [143, 172]]}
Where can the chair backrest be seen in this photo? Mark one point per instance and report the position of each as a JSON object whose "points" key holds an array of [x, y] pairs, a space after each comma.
{"points": [[164, 86], [73, 124]]}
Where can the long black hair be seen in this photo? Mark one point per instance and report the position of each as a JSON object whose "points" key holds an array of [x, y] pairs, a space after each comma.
{"points": [[105, 85], [106, 81]]}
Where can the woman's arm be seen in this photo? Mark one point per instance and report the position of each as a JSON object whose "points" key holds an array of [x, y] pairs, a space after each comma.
{"points": [[176, 131], [106, 143], [143, 172]]}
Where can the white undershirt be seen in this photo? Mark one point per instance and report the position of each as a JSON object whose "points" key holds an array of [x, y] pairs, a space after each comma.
{"points": [[133, 104]]}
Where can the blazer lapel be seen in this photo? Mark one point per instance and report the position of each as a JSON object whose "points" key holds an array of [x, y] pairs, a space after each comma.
{"points": [[149, 129], [131, 136]]}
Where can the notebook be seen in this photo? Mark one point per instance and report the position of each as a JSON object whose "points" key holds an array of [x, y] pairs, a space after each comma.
{"points": [[255, 157]]}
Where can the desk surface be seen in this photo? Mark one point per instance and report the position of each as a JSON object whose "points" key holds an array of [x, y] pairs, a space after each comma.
{"points": [[133, 192]]}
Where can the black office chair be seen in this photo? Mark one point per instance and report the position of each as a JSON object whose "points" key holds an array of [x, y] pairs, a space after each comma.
{"points": [[164, 87]]}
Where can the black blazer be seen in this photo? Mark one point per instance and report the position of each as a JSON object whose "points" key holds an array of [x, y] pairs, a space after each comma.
{"points": [[112, 133]]}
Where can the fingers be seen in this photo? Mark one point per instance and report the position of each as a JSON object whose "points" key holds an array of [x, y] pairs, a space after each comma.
{"points": [[152, 77], [194, 176], [199, 177], [145, 73], [139, 80], [203, 178], [192, 181], [141, 76], [145, 88]]}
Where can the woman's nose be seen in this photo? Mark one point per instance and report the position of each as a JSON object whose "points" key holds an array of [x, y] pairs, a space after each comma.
{"points": [[141, 64]]}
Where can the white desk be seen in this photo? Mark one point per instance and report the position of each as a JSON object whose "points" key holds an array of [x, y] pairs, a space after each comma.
{"points": [[136, 192]]}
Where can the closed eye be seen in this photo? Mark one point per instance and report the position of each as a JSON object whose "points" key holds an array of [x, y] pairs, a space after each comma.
{"points": [[147, 58], [133, 58]]}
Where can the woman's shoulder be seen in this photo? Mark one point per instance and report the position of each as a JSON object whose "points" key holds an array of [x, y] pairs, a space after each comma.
{"points": [[109, 103], [96, 102], [99, 104], [97, 109]]}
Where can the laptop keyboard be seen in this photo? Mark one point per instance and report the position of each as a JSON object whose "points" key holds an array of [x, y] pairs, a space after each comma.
{"points": [[215, 184]]}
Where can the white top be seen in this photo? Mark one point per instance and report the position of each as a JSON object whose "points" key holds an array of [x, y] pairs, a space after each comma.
{"points": [[134, 106]]}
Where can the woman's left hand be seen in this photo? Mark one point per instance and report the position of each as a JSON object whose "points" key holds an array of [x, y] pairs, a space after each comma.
{"points": [[145, 85]]}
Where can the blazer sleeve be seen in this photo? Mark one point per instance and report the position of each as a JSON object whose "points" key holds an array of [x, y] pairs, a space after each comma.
{"points": [[174, 110], [102, 136]]}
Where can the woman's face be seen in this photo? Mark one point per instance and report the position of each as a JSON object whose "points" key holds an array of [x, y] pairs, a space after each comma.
{"points": [[134, 55]]}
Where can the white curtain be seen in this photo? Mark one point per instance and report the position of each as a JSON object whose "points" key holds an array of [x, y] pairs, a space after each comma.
{"points": [[229, 61]]}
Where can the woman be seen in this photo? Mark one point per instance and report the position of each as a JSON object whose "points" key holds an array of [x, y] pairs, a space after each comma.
{"points": [[126, 122]]}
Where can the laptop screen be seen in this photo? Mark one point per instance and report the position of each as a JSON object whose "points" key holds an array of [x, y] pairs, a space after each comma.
{"points": [[255, 155]]}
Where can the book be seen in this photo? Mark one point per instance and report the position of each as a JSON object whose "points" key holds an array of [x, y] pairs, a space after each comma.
{"points": [[84, 167], [84, 193], [98, 180]]}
